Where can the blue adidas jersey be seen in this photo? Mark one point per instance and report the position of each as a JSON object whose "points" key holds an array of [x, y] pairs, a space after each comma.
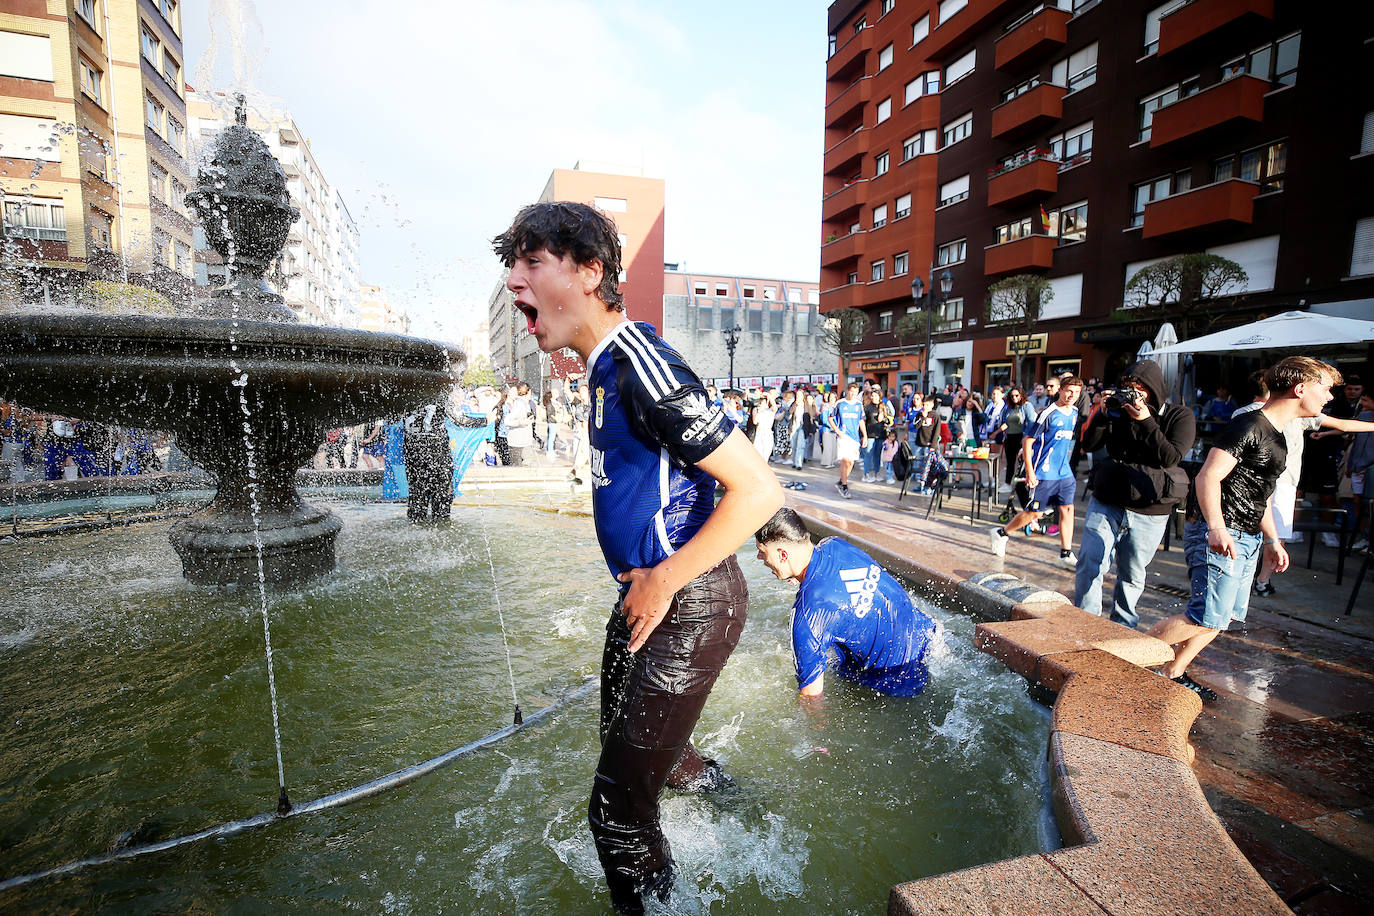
{"points": [[650, 422], [1053, 435], [851, 604], [847, 417]]}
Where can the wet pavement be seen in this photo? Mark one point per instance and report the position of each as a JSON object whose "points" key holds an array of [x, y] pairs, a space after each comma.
{"points": [[1286, 755]]}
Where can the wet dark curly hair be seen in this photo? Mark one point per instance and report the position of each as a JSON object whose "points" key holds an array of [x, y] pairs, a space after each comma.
{"points": [[566, 228]]}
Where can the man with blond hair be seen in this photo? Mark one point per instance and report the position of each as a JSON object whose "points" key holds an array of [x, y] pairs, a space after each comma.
{"points": [[1229, 520]]}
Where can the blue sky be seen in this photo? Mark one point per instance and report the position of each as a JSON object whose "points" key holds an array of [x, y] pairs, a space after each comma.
{"points": [[438, 120]]}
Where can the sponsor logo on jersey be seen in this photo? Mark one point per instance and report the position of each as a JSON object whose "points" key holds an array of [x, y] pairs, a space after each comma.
{"points": [[599, 478], [600, 405], [705, 417], [862, 585]]}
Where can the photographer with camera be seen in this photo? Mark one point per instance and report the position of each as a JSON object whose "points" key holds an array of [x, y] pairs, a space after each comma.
{"points": [[1134, 490]]}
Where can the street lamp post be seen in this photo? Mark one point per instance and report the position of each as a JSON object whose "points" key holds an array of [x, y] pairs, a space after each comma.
{"points": [[918, 287], [732, 341]]}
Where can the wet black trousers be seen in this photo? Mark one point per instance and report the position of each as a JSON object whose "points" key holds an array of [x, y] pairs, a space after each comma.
{"points": [[429, 473], [650, 702]]}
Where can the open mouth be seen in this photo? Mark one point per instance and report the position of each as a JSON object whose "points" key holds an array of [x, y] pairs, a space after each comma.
{"points": [[531, 316]]}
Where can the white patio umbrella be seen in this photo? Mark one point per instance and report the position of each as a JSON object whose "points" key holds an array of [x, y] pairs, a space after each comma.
{"points": [[1170, 363], [1146, 351], [1288, 331]]}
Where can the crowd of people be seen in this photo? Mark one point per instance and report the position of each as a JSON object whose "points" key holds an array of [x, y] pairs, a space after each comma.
{"points": [[37, 446]]}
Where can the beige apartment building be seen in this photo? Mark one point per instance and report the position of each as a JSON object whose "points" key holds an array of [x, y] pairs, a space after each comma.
{"points": [[318, 271], [376, 312], [93, 171]]}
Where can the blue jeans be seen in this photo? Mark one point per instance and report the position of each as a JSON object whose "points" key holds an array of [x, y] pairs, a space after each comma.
{"points": [[1130, 537], [798, 446], [1220, 585], [873, 456], [550, 439], [887, 470]]}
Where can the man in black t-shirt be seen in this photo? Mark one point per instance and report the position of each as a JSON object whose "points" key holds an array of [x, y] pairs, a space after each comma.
{"points": [[1229, 521]]}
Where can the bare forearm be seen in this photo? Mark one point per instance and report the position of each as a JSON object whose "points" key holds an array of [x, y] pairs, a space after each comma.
{"points": [[1209, 497]]}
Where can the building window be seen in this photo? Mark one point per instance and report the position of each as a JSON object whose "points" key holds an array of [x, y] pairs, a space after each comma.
{"points": [[1152, 22], [749, 292], [899, 264], [949, 8], [777, 317], [162, 243], [952, 252], [705, 316], [924, 84], [1276, 62], [952, 191], [861, 24], [153, 113], [1020, 89], [884, 110], [886, 7], [877, 270], [884, 322], [756, 319], [880, 216], [1362, 254], [1158, 189], [1010, 232], [1145, 111], [920, 30], [610, 204], [880, 164], [157, 181], [722, 289], [770, 292], [90, 81], [952, 314], [1073, 146], [181, 252], [699, 289], [885, 58], [37, 218], [86, 10], [903, 207], [150, 43], [957, 130], [914, 146], [1265, 166], [1078, 70], [176, 135], [176, 193], [169, 10], [171, 71], [852, 278], [727, 316], [801, 320], [1069, 224], [959, 68]]}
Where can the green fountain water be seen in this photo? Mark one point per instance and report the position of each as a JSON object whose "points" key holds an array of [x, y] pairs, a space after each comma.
{"points": [[133, 706]]}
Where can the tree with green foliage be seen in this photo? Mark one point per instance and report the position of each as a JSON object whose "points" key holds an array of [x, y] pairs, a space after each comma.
{"points": [[478, 373], [841, 331], [111, 297], [1018, 301]]}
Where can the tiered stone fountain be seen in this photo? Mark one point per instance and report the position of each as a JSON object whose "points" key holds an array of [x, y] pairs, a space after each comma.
{"points": [[186, 375]]}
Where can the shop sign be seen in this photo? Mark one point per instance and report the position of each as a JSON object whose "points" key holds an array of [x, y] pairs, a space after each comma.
{"points": [[879, 365], [1027, 344]]}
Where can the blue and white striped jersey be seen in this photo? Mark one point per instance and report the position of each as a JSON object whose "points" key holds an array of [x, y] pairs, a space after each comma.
{"points": [[651, 422]]}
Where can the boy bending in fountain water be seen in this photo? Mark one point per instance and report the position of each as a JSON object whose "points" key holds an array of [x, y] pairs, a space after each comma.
{"points": [[659, 447], [847, 603]]}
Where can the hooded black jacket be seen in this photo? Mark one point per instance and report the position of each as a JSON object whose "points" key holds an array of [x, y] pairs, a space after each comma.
{"points": [[1142, 472]]}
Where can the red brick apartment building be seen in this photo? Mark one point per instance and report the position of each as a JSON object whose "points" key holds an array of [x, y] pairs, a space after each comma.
{"points": [[1081, 140]]}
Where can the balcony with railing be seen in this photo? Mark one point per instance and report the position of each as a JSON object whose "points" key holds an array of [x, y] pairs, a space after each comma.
{"points": [[1031, 37], [1235, 98], [36, 233], [960, 26], [844, 248], [1230, 202], [840, 297], [849, 100], [845, 151], [846, 200], [1035, 108], [1028, 253], [1025, 178], [1195, 18], [850, 56]]}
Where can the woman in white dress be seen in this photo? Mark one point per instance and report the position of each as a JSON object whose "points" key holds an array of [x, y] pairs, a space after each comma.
{"points": [[765, 412]]}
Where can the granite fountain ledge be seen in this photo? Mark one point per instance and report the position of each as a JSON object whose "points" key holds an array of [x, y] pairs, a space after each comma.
{"points": [[1140, 837]]}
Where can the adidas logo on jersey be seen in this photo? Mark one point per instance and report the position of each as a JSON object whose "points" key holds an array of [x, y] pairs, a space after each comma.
{"points": [[862, 584]]}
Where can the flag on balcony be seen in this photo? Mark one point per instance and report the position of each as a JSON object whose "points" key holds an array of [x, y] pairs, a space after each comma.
{"points": [[1044, 219]]}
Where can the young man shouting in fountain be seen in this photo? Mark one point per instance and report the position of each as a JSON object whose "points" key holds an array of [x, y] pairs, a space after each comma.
{"points": [[1229, 520], [849, 605], [659, 447]]}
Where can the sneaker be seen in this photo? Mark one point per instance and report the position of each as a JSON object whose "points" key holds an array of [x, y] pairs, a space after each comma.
{"points": [[1331, 539], [1052, 530], [1265, 589], [1069, 560], [844, 491], [1208, 694], [997, 542], [840, 488], [1360, 544]]}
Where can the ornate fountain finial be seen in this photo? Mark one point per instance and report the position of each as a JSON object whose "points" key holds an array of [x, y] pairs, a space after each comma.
{"points": [[241, 111]]}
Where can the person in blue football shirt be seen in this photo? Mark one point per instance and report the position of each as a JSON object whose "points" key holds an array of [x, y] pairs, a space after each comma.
{"points": [[850, 433], [658, 449], [848, 604], [1047, 448]]}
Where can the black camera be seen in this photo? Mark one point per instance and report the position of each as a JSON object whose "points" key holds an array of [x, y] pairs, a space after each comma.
{"points": [[1117, 398]]}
